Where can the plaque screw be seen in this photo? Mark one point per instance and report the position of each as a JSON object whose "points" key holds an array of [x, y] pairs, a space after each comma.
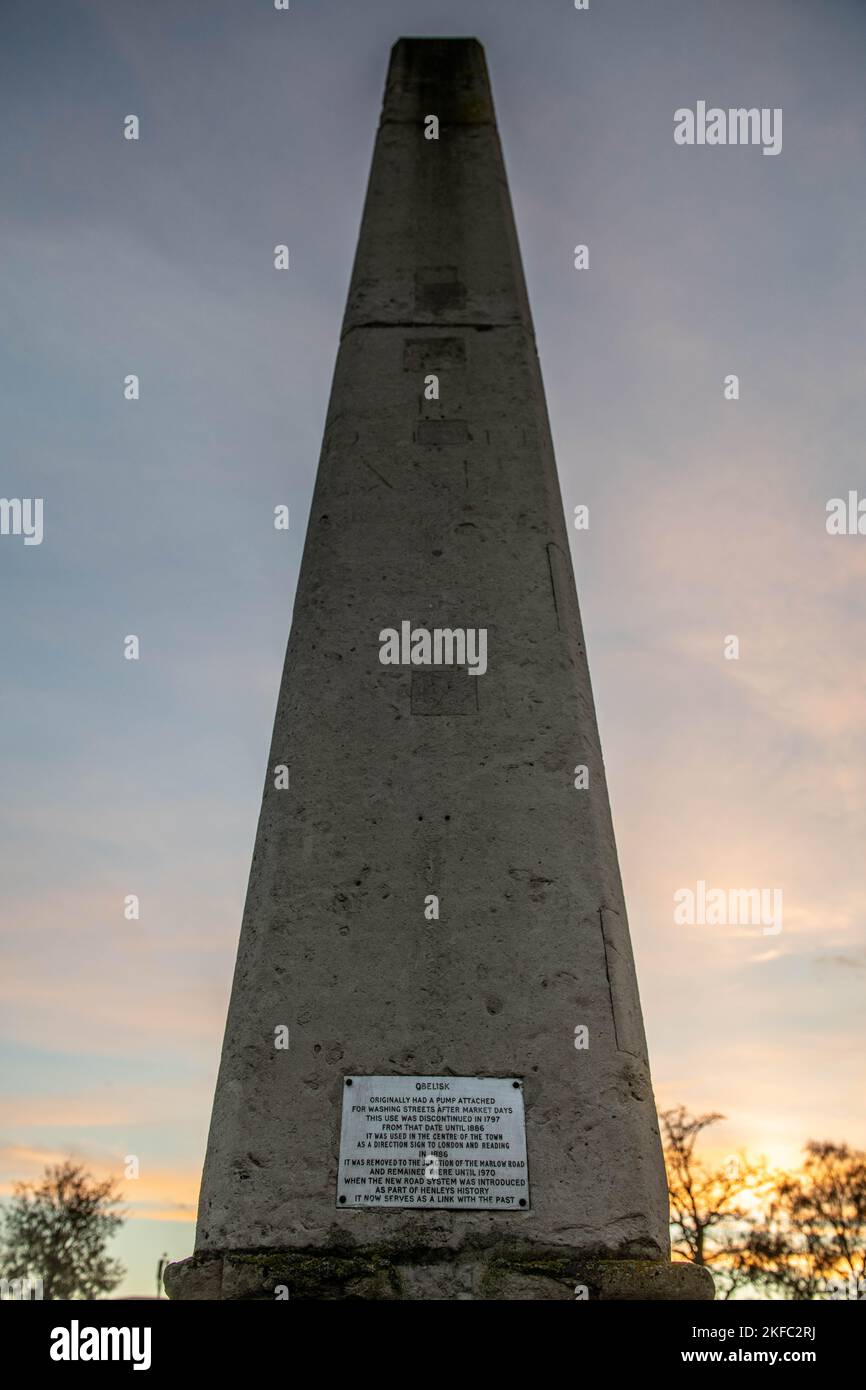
{"points": [[522, 1201], [516, 1085], [348, 1080], [342, 1199]]}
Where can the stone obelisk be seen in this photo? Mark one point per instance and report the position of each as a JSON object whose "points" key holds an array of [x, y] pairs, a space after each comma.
{"points": [[434, 914]]}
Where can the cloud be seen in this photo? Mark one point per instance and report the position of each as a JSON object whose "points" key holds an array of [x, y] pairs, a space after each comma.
{"points": [[851, 962], [159, 1194]]}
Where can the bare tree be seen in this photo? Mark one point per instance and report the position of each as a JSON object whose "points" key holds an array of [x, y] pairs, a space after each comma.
{"points": [[812, 1234], [711, 1209], [57, 1230]]}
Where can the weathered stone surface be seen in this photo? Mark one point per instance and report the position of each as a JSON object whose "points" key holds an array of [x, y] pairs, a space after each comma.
{"points": [[446, 513], [200, 1277], [389, 1273]]}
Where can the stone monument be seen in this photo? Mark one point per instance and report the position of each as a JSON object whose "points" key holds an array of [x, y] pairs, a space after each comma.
{"points": [[434, 1079]]}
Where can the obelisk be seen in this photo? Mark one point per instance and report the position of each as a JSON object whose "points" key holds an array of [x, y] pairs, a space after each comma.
{"points": [[434, 1079]]}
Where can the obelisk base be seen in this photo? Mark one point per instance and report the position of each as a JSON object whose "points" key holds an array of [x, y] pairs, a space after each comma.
{"points": [[386, 1272]]}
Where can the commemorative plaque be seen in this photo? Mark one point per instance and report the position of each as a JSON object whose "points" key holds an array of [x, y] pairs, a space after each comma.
{"points": [[433, 1141]]}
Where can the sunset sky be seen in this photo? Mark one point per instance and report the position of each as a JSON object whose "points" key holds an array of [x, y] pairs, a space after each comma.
{"points": [[707, 518]]}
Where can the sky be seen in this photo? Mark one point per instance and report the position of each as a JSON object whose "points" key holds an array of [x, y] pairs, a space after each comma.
{"points": [[707, 520]]}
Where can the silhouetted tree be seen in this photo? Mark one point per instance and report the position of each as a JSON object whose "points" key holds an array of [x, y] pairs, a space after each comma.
{"points": [[57, 1230], [812, 1230], [711, 1208]]}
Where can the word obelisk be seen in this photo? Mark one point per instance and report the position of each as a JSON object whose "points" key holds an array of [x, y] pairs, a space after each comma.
{"points": [[434, 1079]]}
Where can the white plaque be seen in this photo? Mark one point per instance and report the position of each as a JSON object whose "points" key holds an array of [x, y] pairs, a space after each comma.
{"points": [[433, 1141]]}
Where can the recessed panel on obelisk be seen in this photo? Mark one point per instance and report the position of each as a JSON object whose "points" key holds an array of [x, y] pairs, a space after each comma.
{"points": [[435, 923]]}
